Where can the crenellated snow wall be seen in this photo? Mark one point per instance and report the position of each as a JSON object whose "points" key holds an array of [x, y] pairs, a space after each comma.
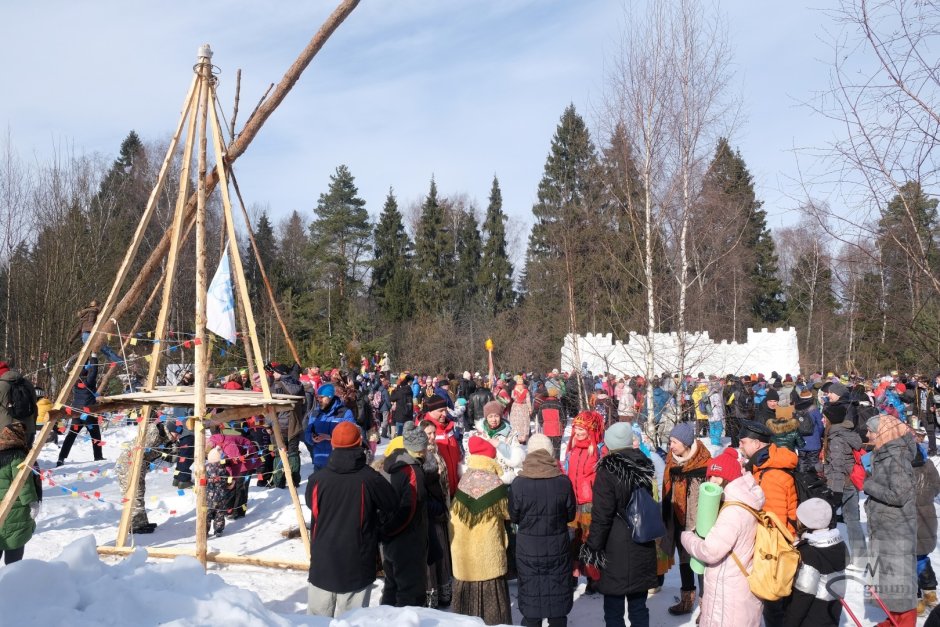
{"points": [[764, 352]]}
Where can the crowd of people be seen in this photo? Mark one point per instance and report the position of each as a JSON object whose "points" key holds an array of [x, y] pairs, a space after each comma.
{"points": [[533, 477]]}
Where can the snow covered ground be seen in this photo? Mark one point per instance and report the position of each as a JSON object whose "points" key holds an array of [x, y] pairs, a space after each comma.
{"points": [[63, 582]]}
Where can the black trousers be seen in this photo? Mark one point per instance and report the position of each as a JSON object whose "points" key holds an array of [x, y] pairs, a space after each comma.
{"points": [[187, 448], [12, 555], [94, 431], [929, 420]]}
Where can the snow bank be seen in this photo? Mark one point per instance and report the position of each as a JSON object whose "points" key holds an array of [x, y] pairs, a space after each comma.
{"points": [[79, 590]]}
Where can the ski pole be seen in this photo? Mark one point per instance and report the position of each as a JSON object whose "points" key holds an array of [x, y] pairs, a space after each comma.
{"points": [[851, 613]]}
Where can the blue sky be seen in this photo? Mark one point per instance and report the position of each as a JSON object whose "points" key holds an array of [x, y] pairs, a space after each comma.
{"points": [[461, 89]]}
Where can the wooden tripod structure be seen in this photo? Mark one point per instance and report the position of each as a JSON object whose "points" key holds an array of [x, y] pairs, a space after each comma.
{"points": [[201, 120]]}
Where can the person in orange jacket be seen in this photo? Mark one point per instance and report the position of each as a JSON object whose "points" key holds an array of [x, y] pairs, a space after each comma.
{"points": [[772, 467]]}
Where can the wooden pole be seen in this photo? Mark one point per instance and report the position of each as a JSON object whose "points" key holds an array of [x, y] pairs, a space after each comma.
{"points": [[159, 334], [235, 150], [201, 375], [94, 341], [214, 556], [242, 285]]}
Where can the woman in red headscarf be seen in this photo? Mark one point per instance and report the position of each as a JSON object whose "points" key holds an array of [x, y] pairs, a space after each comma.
{"points": [[584, 451]]}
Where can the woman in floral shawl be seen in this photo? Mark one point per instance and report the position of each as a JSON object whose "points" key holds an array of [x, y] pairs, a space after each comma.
{"points": [[479, 512]]}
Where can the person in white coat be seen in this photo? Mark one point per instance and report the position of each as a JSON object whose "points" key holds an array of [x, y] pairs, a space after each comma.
{"points": [[727, 598]]}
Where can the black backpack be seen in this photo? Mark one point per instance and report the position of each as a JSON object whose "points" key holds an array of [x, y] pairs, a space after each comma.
{"points": [[22, 402], [807, 424], [810, 485]]}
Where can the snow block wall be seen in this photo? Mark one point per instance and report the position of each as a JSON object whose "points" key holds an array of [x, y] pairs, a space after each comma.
{"points": [[764, 352]]}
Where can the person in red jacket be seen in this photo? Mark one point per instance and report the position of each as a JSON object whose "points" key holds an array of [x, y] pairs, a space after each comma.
{"points": [[550, 417], [435, 410], [584, 451]]}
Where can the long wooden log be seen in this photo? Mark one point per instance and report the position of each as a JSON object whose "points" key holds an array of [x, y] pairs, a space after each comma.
{"points": [[211, 556]]}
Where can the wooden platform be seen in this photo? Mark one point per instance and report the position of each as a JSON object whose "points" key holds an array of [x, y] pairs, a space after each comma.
{"points": [[185, 396]]}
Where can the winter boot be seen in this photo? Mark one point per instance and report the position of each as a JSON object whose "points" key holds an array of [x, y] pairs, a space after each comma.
{"points": [[930, 598], [685, 604], [432, 599]]}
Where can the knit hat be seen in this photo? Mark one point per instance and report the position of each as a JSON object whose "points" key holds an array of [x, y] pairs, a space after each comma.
{"points": [[684, 432], [814, 513], [327, 390], [414, 437], [725, 465], [755, 431], [466, 375], [493, 407], [838, 389], [478, 446], [346, 435], [434, 402], [540, 442], [772, 395], [619, 436], [873, 423]]}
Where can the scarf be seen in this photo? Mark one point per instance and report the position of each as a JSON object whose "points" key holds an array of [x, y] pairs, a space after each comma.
{"points": [[540, 464], [492, 433], [481, 494], [675, 481]]}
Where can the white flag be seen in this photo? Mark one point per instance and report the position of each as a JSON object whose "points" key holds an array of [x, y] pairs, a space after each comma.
{"points": [[220, 303]]}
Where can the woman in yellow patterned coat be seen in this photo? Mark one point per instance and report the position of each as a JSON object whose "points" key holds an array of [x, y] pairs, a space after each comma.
{"points": [[479, 511]]}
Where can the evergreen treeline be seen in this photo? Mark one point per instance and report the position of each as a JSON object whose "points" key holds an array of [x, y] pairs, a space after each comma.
{"points": [[347, 281]]}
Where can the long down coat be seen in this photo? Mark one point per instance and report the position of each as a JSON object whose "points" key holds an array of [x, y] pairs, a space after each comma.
{"points": [[892, 523], [542, 503], [728, 599], [626, 567]]}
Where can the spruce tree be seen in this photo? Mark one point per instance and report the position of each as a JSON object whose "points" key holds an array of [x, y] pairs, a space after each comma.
{"points": [[434, 256], [341, 234], [751, 266], [267, 250], [466, 270], [562, 258], [391, 271], [495, 276]]}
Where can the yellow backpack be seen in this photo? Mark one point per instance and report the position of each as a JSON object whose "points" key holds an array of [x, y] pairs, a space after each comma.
{"points": [[775, 559]]}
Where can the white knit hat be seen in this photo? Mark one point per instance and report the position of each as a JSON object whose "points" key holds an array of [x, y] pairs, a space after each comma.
{"points": [[540, 442]]}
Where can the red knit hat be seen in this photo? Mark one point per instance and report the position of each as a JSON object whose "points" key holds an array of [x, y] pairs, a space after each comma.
{"points": [[346, 435], [725, 466], [479, 446]]}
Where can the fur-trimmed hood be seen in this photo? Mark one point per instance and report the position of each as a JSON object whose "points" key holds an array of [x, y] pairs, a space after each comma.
{"points": [[630, 466], [779, 427]]}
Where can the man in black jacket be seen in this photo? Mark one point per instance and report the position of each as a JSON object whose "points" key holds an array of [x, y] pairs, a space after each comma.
{"points": [[404, 403], [348, 500], [83, 398], [478, 399]]}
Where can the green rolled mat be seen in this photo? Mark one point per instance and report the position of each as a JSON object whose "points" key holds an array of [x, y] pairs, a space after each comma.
{"points": [[709, 502]]}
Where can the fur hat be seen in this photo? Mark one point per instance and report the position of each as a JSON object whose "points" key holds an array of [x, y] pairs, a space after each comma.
{"points": [[493, 407], [478, 446], [540, 442], [619, 436], [684, 432], [725, 465], [414, 438], [346, 435], [814, 513]]}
